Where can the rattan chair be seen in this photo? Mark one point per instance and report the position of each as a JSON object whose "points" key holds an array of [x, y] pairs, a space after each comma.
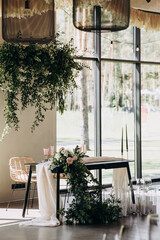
{"points": [[19, 174]]}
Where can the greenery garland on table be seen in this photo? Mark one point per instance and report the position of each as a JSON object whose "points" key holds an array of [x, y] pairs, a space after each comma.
{"points": [[87, 206], [36, 76]]}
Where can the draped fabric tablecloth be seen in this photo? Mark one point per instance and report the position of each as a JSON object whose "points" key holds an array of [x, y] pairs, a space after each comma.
{"points": [[121, 188], [119, 181], [100, 159], [46, 186]]}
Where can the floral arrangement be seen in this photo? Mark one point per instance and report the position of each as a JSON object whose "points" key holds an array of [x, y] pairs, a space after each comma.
{"points": [[87, 206], [67, 159]]}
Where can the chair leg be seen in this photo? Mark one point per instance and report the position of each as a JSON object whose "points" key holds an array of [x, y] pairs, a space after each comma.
{"points": [[33, 195], [11, 196]]}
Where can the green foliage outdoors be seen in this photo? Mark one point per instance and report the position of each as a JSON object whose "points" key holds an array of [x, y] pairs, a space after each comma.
{"points": [[36, 76], [87, 206]]}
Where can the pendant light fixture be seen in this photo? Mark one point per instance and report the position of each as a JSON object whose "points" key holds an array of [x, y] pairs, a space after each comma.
{"points": [[28, 20], [114, 14], [27, 4]]}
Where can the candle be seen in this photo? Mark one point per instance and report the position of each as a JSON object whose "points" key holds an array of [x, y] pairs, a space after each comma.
{"points": [[52, 150], [104, 236], [124, 210], [122, 143], [121, 232], [134, 207], [152, 218], [126, 139], [84, 148], [154, 208], [149, 226], [143, 209], [116, 237]]}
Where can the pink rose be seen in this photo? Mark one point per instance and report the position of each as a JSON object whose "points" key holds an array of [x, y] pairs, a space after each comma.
{"points": [[69, 160], [75, 157]]}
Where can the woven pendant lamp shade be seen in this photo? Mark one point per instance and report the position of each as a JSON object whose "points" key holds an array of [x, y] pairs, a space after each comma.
{"points": [[28, 20], [114, 14]]}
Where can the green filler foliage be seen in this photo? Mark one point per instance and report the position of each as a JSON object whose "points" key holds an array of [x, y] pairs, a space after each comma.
{"points": [[87, 206], [36, 76]]}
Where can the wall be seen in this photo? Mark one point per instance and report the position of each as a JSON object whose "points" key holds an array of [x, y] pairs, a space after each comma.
{"points": [[23, 143]]}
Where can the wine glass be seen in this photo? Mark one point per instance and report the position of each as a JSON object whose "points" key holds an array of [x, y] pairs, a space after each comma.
{"points": [[148, 183], [46, 153], [52, 151], [139, 183]]}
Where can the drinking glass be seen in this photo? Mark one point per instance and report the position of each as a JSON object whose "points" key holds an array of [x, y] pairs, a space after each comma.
{"points": [[148, 183], [140, 183], [46, 153], [52, 151]]}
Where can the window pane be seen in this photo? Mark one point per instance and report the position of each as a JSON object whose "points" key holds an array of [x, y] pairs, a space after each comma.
{"points": [[83, 41], [150, 120], [76, 125], [118, 44], [117, 111], [150, 46]]}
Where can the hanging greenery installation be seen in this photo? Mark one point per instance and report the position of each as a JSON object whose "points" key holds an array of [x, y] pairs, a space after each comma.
{"points": [[36, 76]]}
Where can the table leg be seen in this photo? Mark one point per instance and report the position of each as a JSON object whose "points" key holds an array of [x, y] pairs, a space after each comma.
{"points": [[27, 191], [58, 185], [130, 183]]}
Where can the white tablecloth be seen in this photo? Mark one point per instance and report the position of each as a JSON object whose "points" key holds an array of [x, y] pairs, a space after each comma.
{"points": [[100, 159], [46, 186], [119, 181]]}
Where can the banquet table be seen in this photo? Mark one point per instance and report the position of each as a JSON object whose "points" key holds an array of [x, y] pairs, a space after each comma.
{"points": [[94, 163]]}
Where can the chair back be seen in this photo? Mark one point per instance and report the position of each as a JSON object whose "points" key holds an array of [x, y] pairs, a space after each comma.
{"points": [[18, 170]]}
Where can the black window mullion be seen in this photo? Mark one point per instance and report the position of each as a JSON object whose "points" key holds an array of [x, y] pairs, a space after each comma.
{"points": [[137, 104]]}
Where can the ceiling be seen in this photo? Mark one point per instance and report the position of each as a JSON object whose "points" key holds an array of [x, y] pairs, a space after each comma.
{"points": [[152, 6]]}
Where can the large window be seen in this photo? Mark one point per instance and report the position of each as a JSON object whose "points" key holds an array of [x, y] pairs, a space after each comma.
{"points": [[150, 119], [76, 125], [118, 44], [122, 73], [82, 41], [150, 46], [117, 108], [117, 111]]}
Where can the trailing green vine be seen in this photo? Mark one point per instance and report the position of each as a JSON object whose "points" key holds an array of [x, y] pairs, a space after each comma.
{"points": [[36, 76], [87, 206]]}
